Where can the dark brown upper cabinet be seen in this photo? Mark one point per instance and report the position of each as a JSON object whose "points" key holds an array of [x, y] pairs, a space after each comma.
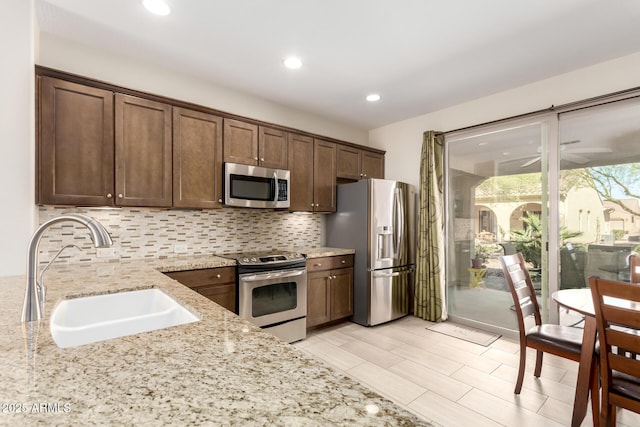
{"points": [[197, 159], [254, 145], [355, 163], [301, 168], [75, 144], [324, 176], [312, 163], [104, 145], [273, 148], [143, 152]]}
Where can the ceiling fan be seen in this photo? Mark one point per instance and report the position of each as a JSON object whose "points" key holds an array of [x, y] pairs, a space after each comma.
{"points": [[573, 155]]}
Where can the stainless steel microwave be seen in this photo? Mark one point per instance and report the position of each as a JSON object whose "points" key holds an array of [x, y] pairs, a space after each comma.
{"points": [[256, 187]]}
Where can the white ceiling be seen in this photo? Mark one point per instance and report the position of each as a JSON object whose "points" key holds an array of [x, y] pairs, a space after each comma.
{"points": [[419, 55]]}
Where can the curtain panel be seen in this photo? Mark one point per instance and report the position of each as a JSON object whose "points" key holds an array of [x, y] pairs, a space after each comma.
{"points": [[430, 303]]}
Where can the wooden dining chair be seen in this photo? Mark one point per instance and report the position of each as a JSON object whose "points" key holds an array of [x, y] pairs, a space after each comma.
{"points": [[562, 341], [618, 323], [634, 265]]}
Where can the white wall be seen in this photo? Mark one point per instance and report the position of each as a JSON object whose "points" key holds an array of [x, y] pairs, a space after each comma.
{"points": [[17, 152], [65, 55], [403, 140]]}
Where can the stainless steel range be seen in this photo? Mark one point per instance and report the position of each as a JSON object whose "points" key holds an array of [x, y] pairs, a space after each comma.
{"points": [[272, 292]]}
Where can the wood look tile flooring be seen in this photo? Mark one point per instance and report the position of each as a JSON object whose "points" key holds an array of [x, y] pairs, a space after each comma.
{"points": [[449, 381]]}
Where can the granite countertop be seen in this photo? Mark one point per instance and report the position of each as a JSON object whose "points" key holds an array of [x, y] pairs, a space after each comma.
{"points": [[221, 370], [325, 251]]}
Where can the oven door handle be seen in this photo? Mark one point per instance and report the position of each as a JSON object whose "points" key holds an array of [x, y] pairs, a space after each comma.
{"points": [[274, 275]]}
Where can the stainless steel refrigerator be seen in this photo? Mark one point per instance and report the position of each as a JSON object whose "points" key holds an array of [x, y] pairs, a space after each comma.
{"points": [[377, 217]]}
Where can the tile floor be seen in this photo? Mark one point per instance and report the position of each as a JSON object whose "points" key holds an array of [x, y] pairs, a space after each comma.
{"points": [[450, 381]]}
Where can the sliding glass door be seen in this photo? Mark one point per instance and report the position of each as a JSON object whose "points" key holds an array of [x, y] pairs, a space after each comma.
{"points": [[599, 191], [497, 204], [561, 188]]}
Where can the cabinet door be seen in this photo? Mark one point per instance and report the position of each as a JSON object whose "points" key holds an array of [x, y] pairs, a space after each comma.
{"points": [[324, 176], [223, 294], [75, 144], [318, 310], [272, 148], [197, 159], [143, 152], [301, 167], [240, 142], [341, 293], [372, 165], [348, 162]]}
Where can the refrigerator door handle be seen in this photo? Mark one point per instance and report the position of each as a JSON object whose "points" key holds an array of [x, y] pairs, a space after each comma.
{"points": [[394, 274], [398, 222]]}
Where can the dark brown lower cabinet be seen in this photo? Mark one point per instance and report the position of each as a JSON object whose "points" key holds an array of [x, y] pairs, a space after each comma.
{"points": [[217, 284], [329, 290]]}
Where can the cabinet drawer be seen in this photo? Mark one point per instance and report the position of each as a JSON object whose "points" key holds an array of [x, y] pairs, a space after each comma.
{"points": [[206, 276], [329, 263]]}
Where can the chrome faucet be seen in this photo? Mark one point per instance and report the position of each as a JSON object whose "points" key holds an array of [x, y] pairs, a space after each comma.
{"points": [[32, 308]]}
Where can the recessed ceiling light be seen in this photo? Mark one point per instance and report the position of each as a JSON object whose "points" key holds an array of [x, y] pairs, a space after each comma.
{"points": [[159, 7], [292, 62], [373, 97]]}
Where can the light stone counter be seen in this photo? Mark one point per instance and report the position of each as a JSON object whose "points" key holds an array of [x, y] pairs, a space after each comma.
{"points": [[324, 251], [221, 370]]}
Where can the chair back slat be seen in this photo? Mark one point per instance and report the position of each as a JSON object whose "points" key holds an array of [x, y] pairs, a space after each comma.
{"points": [[527, 307], [622, 290], [624, 363], [621, 316], [623, 339]]}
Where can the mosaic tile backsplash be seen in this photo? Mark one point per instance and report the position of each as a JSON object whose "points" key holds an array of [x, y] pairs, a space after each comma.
{"points": [[154, 233]]}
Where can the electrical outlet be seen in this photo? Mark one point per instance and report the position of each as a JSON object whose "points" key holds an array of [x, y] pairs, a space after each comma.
{"points": [[180, 248], [106, 252]]}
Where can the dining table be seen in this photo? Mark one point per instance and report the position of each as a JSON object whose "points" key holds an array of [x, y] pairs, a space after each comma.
{"points": [[580, 301]]}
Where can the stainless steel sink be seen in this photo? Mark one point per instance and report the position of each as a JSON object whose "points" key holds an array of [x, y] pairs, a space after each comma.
{"points": [[86, 320]]}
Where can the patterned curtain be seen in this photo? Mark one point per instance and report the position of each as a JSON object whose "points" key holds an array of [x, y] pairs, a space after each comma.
{"points": [[430, 301]]}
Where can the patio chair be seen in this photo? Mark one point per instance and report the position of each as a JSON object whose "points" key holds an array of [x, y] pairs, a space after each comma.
{"points": [[562, 341], [618, 323]]}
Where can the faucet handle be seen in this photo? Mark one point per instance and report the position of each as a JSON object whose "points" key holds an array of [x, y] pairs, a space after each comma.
{"points": [[40, 283]]}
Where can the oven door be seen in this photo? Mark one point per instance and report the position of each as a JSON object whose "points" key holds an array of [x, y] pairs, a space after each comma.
{"points": [[272, 298]]}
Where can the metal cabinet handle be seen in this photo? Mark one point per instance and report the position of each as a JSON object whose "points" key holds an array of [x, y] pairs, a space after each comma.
{"points": [[344, 261], [317, 265], [120, 196], [218, 276], [255, 158], [262, 159], [109, 195]]}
